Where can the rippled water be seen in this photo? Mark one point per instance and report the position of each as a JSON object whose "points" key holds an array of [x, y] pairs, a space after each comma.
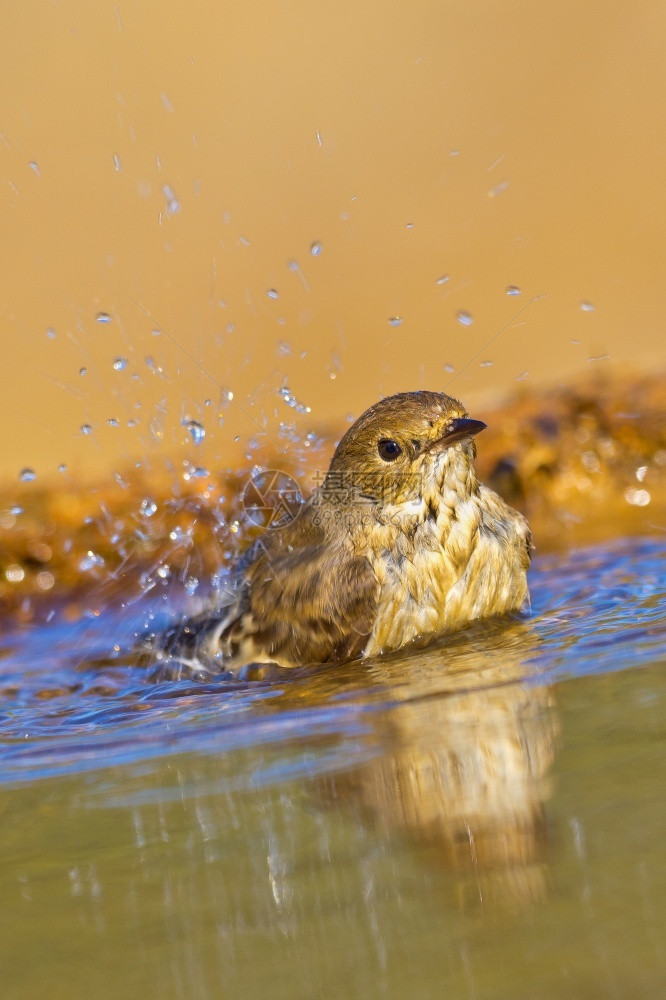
{"points": [[482, 818]]}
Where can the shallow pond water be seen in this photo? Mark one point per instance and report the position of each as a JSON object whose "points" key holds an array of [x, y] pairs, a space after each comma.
{"points": [[484, 818]]}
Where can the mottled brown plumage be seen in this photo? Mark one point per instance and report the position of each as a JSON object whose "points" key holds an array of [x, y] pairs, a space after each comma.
{"points": [[400, 541]]}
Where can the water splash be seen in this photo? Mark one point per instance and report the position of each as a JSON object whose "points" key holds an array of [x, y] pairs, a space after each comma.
{"points": [[286, 394]]}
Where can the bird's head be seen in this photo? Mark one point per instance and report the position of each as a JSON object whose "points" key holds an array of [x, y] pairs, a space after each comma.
{"points": [[404, 448]]}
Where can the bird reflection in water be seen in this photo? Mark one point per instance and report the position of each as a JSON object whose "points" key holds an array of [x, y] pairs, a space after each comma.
{"points": [[466, 748]]}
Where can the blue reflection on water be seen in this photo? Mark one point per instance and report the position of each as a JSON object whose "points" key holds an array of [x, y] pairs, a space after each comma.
{"points": [[66, 706]]}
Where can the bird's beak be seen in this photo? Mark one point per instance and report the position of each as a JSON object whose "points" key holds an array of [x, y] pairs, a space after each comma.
{"points": [[459, 429]]}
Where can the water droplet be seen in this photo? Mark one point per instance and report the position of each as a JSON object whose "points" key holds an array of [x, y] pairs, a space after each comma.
{"points": [[197, 472], [86, 429], [45, 580], [395, 320], [513, 290], [283, 348], [35, 168], [315, 248], [27, 475], [50, 333], [83, 371], [293, 265], [172, 203], [117, 163], [90, 560], [454, 152], [153, 367], [103, 317], [500, 189], [15, 510], [272, 293], [410, 225], [14, 573], [112, 422], [449, 368], [196, 430], [285, 392], [587, 307], [637, 498], [465, 318], [166, 102], [120, 364], [485, 364], [443, 278], [62, 467], [147, 507], [191, 584], [522, 376]]}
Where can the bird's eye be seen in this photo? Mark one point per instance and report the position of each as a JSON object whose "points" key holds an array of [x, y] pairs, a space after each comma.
{"points": [[389, 450]]}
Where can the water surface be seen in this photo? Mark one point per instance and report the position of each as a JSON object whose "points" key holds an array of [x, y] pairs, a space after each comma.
{"points": [[482, 818]]}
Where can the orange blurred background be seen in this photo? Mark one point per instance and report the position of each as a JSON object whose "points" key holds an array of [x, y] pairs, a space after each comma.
{"points": [[251, 193]]}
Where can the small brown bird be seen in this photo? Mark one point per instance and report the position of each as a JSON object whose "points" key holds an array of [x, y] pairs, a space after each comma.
{"points": [[400, 541]]}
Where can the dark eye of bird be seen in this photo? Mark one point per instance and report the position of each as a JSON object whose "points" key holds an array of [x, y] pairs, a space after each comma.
{"points": [[388, 449]]}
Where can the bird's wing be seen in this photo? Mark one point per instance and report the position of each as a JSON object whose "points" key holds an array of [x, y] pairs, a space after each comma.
{"points": [[306, 599]]}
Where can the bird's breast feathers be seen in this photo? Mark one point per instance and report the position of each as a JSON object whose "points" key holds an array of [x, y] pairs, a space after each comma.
{"points": [[441, 566]]}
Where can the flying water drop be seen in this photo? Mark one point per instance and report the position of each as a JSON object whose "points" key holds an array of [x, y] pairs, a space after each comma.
{"points": [[172, 203], [285, 392], [464, 318], [196, 430]]}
